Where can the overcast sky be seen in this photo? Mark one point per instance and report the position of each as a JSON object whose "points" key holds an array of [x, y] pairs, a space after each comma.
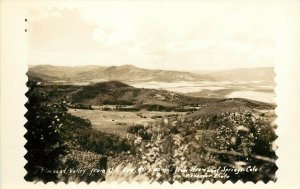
{"points": [[176, 36]]}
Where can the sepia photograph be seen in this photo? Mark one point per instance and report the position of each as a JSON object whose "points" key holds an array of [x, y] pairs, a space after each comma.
{"points": [[150, 93]]}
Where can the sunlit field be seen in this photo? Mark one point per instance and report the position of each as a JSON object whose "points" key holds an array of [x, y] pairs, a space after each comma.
{"points": [[118, 121]]}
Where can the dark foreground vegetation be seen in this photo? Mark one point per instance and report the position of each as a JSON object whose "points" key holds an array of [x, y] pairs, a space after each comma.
{"points": [[59, 141], [227, 142], [224, 137]]}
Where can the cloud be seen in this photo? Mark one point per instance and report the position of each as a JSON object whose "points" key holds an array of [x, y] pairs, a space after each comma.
{"points": [[168, 36]]}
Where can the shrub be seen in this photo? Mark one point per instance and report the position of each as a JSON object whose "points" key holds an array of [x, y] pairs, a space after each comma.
{"points": [[57, 140]]}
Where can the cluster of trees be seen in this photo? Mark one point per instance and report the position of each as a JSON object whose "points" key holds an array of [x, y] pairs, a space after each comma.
{"points": [[53, 136], [140, 131]]}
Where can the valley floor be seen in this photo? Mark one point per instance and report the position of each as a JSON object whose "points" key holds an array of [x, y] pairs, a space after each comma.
{"points": [[117, 122]]}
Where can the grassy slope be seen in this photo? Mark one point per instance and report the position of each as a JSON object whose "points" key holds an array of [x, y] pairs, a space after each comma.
{"points": [[231, 105], [115, 92]]}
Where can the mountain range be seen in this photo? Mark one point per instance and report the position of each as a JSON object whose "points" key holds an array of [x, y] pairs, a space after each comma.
{"points": [[132, 74]]}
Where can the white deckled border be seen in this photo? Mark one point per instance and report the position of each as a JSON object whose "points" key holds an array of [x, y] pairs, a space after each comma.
{"points": [[13, 78]]}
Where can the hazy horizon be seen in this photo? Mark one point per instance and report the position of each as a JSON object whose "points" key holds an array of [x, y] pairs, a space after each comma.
{"points": [[152, 35], [184, 70]]}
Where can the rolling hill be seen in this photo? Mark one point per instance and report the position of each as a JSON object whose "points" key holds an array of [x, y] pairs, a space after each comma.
{"points": [[118, 93], [132, 74], [125, 73], [115, 92], [237, 105]]}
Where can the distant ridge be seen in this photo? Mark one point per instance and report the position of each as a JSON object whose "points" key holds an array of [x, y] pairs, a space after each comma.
{"points": [[132, 74], [266, 74], [125, 73]]}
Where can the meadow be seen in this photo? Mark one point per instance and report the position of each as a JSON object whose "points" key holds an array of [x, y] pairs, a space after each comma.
{"points": [[117, 122]]}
